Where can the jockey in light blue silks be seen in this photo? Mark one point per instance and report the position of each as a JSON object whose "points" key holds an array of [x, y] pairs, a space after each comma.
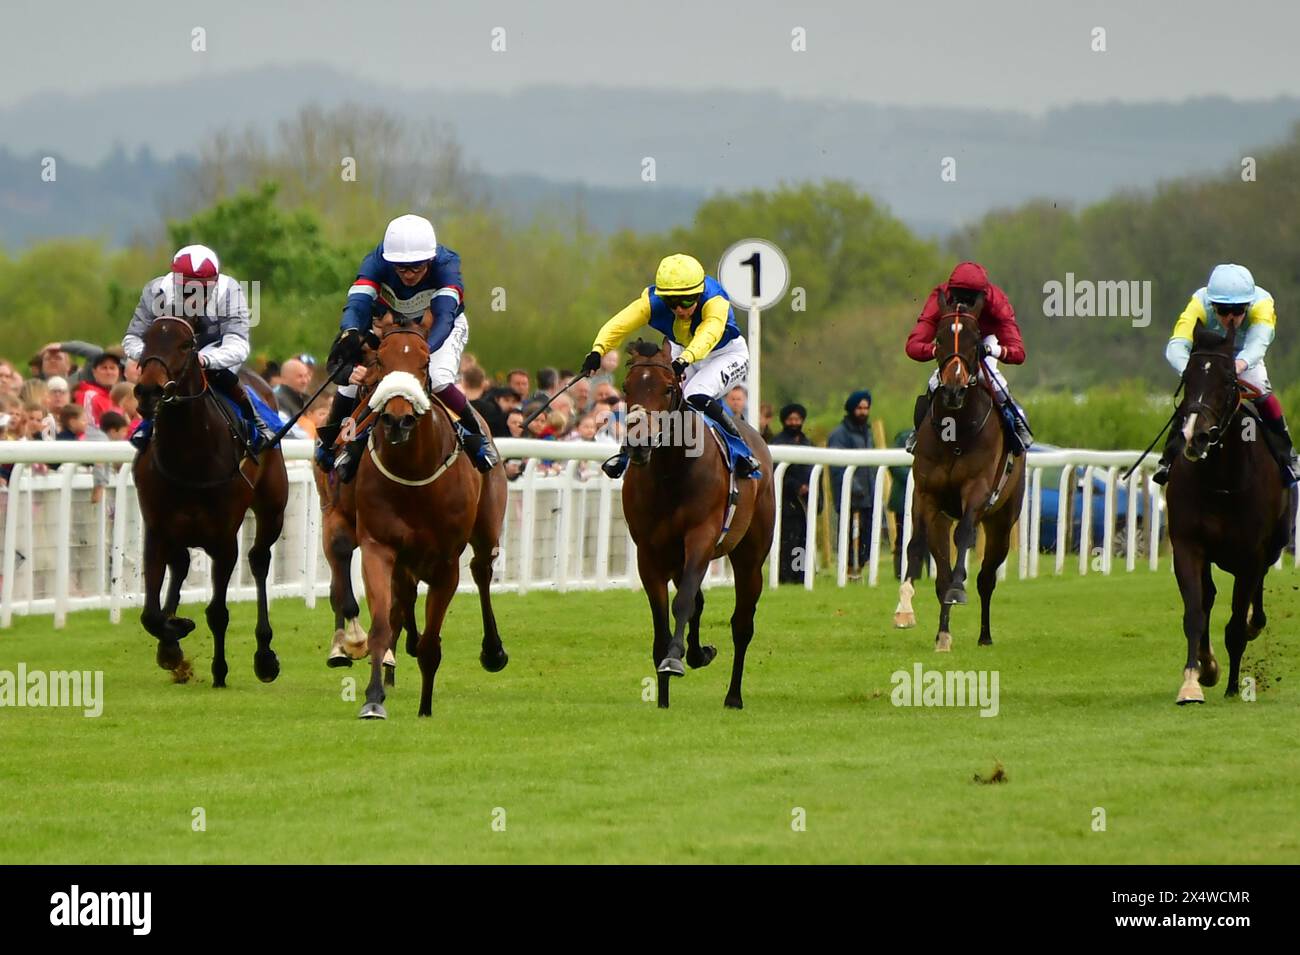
{"points": [[709, 353], [408, 274], [1231, 299]]}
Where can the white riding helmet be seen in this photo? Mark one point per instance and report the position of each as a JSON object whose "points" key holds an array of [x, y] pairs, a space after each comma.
{"points": [[410, 238]]}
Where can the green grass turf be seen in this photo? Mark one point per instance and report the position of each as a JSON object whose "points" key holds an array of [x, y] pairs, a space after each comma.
{"points": [[588, 772]]}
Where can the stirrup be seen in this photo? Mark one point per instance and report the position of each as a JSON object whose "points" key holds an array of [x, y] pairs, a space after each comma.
{"points": [[615, 465], [910, 444], [1161, 475]]}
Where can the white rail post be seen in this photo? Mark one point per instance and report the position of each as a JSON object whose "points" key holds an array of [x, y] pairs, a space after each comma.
{"points": [[810, 528], [11, 545], [842, 527], [877, 505]]}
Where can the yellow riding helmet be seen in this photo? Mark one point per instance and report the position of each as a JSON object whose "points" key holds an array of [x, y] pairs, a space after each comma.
{"points": [[679, 275]]}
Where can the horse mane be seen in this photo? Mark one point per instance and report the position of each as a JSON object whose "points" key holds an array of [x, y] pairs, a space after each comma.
{"points": [[641, 349]]}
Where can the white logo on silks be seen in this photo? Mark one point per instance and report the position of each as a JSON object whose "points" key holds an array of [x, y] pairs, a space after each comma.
{"points": [[82, 689], [665, 429], [103, 908], [924, 687]]}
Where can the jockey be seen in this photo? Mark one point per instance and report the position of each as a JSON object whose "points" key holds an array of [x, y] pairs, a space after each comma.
{"points": [[216, 306], [709, 352], [409, 274], [1001, 341], [1231, 299]]}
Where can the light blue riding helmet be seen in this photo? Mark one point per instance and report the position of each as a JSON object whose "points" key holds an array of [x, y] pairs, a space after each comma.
{"points": [[1231, 285]]}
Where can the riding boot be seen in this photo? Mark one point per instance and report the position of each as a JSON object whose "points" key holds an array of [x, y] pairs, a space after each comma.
{"points": [[340, 408], [1015, 418], [482, 452], [746, 465], [918, 415], [1279, 442], [232, 387], [1173, 446]]}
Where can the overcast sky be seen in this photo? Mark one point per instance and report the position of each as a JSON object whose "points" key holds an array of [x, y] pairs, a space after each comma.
{"points": [[1026, 54]]}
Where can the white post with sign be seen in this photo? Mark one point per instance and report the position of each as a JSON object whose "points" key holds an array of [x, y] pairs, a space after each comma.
{"points": [[755, 275]]}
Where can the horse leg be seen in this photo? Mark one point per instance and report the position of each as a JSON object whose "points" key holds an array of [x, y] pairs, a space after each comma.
{"points": [[938, 526], [1209, 667], [441, 590], [492, 656], [656, 591], [377, 569], [917, 552], [698, 656], [223, 567], [972, 498], [747, 568], [699, 548], [339, 548], [1257, 619], [178, 564], [269, 522], [1189, 569], [997, 544], [1244, 588], [152, 618]]}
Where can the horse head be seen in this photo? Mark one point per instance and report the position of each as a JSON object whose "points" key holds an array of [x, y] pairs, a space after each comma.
{"points": [[650, 389], [169, 365], [402, 395], [956, 345], [1213, 392]]}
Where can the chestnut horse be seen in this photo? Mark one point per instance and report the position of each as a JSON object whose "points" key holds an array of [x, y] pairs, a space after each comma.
{"points": [[963, 473], [1227, 506], [195, 485], [675, 502], [419, 501]]}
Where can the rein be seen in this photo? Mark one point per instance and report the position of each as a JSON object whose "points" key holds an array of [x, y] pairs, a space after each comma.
{"points": [[374, 446]]}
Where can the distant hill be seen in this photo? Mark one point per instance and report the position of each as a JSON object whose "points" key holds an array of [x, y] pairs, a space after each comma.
{"points": [[546, 146]]}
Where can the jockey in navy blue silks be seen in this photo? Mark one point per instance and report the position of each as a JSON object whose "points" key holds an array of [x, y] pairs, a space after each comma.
{"points": [[408, 274]]}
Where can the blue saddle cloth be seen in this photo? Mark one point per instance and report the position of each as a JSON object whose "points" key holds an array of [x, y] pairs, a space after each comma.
{"points": [[251, 429], [736, 448]]}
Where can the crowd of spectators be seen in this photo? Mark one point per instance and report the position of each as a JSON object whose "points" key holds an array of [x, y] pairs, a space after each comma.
{"points": [[76, 391]]}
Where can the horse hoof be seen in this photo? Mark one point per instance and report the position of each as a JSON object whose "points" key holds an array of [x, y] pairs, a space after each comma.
{"points": [[705, 657], [943, 642], [955, 595], [266, 666], [904, 620], [169, 655], [985, 640], [1183, 701], [672, 666], [373, 711], [338, 658], [733, 703], [1209, 672], [494, 662], [1230, 692]]}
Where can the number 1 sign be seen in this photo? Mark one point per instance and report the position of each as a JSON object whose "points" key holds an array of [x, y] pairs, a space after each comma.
{"points": [[755, 275]]}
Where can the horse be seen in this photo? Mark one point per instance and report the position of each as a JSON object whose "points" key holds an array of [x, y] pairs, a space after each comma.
{"points": [[676, 504], [964, 471], [195, 485], [1227, 506], [419, 502]]}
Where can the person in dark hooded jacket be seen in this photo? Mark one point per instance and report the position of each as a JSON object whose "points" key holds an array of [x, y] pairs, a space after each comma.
{"points": [[794, 498], [855, 432]]}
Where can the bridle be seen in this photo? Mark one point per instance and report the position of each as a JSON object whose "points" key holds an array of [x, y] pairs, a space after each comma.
{"points": [[956, 355], [1224, 415], [169, 395], [675, 391], [418, 333], [374, 446]]}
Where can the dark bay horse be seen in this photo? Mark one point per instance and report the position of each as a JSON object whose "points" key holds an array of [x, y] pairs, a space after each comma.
{"points": [[419, 502], [195, 485], [964, 472], [1227, 506], [675, 503]]}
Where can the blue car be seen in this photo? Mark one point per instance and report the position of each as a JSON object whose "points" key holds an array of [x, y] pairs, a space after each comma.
{"points": [[1051, 506]]}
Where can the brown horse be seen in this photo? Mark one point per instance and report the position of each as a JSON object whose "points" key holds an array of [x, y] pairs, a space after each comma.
{"points": [[963, 472], [676, 504], [419, 501], [1227, 506], [195, 485]]}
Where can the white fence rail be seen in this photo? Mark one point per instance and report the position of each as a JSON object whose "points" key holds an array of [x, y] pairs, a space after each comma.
{"points": [[564, 524]]}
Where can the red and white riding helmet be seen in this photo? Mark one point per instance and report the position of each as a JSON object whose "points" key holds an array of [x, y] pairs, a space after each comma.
{"points": [[196, 262]]}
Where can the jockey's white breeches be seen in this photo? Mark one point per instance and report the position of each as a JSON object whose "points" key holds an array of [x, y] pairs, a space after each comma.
{"points": [[718, 371]]}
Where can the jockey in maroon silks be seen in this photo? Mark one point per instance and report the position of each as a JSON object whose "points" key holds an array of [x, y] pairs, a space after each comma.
{"points": [[1001, 342]]}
